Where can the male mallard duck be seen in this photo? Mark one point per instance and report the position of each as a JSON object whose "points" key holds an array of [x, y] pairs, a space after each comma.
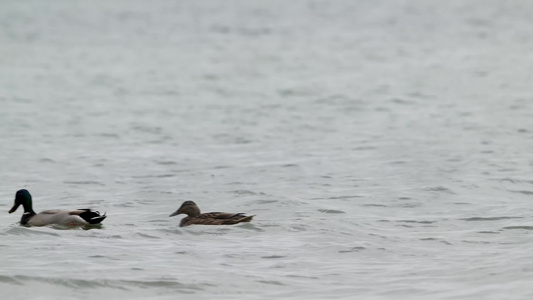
{"points": [[55, 216], [213, 218]]}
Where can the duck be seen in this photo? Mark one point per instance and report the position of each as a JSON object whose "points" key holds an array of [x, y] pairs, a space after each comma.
{"points": [[194, 217], [77, 217]]}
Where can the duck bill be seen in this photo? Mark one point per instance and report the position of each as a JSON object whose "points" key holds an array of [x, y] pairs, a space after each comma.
{"points": [[15, 206], [177, 212]]}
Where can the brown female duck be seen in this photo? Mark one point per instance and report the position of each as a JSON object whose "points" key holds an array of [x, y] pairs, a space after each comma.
{"points": [[213, 218]]}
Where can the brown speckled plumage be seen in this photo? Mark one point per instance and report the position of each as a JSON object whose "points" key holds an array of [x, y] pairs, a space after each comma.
{"points": [[213, 218]]}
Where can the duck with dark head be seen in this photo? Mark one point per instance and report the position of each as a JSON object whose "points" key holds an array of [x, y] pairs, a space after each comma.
{"points": [[77, 217]]}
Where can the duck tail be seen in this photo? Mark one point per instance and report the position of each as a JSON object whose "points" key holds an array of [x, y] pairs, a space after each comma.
{"points": [[246, 219], [92, 217]]}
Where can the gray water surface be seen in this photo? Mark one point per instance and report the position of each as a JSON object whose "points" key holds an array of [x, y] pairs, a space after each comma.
{"points": [[384, 147]]}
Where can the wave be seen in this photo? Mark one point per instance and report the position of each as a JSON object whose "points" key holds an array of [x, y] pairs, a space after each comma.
{"points": [[77, 283]]}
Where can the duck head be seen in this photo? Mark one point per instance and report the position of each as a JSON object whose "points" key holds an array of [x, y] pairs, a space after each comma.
{"points": [[189, 208], [22, 197]]}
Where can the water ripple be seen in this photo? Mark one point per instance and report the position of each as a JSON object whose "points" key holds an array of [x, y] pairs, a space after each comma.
{"points": [[21, 230], [489, 218], [518, 227], [102, 283], [84, 182], [353, 249], [331, 211]]}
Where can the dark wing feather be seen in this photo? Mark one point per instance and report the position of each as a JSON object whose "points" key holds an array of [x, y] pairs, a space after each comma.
{"points": [[91, 216], [220, 215], [216, 218]]}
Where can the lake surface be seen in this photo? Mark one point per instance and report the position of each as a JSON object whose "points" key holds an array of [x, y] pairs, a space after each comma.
{"points": [[384, 147]]}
